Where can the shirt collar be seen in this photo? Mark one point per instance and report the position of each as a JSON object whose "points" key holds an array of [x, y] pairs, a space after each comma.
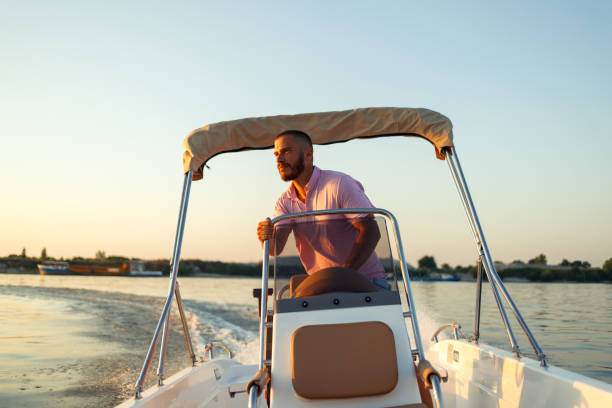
{"points": [[310, 186]]}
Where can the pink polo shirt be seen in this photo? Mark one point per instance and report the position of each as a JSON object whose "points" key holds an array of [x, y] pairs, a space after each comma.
{"points": [[327, 242]]}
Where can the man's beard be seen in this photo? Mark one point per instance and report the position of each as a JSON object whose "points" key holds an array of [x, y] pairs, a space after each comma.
{"points": [[297, 168]]}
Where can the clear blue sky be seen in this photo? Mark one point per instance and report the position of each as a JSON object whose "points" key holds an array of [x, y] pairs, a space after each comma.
{"points": [[96, 98]]}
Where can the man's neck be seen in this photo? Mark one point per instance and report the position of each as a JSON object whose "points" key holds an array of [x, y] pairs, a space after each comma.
{"points": [[301, 181]]}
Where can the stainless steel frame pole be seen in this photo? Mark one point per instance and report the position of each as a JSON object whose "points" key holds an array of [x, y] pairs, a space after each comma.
{"points": [[478, 237], [264, 304], [407, 289], [455, 167], [263, 318], [162, 349], [179, 303], [437, 391], [173, 275], [478, 301]]}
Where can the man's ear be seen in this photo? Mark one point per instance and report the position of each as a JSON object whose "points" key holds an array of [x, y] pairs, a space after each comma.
{"points": [[309, 153]]}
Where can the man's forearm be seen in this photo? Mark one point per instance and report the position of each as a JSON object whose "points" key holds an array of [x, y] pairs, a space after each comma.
{"points": [[364, 245]]}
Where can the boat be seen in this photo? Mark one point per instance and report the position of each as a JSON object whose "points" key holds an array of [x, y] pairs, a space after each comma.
{"points": [[92, 269], [330, 339], [53, 268], [437, 277], [134, 267]]}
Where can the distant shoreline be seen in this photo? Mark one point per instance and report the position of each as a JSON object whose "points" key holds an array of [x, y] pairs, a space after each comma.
{"points": [[463, 276]]}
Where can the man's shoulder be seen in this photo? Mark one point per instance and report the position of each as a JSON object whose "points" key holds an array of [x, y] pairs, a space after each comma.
{"points": [[333, 175], [338, 180]]}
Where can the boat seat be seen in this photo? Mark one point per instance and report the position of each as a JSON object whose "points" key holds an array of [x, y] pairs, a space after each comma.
{"points": [[342, 349], [343, 360], [334, 279], [294, 282]]}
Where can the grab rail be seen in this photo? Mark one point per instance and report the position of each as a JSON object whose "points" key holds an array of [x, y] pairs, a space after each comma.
{"points": [[457, 333], [253, 395]]}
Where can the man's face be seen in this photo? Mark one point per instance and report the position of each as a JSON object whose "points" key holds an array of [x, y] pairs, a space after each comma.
{"points": [[289, 154]]}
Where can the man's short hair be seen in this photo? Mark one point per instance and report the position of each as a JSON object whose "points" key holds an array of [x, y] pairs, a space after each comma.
{"points": [[302, 136]]}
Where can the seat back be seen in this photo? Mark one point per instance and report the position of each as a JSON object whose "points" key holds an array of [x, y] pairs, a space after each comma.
{"points": [[343, 360], [344, 349]]}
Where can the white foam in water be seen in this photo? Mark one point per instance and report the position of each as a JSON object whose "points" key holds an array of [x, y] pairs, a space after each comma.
{"points": [[242, 342]]}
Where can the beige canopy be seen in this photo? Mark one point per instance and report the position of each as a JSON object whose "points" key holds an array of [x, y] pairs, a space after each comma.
{"points": [[324, 128]]}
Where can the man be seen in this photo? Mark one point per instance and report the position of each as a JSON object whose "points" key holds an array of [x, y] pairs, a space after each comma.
{"points": [[347, 241]]}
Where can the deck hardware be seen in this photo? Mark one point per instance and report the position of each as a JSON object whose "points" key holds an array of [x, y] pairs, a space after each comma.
{"points": [[209, 350], [368, 299], [234, 389], [304, 304], [457, 333], [336, 301]]}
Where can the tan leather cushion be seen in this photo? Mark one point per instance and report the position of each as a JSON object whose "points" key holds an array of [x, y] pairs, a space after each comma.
{"points": [[343, 360], [295, 282], [334, 279]]}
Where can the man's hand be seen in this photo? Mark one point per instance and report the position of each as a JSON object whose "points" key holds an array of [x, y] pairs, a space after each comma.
{"points": [[265, 230]]}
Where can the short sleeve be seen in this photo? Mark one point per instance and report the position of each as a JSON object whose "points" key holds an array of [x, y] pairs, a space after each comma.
{"points": [[351, 194]]}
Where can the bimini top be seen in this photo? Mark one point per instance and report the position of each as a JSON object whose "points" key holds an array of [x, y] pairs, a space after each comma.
{"points": [[324, 128]]}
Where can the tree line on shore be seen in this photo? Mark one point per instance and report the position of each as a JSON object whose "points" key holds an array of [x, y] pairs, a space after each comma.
{"points": [[535, 269]]}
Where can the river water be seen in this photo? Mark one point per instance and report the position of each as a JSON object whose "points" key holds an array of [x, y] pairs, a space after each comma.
{"points": [[80, 341]]}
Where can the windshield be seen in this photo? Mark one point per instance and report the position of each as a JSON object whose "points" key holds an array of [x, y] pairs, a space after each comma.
{"points": [[307, 245]]}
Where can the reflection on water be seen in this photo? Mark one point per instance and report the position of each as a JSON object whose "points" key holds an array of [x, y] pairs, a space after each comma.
{"points": [[80, 340]]}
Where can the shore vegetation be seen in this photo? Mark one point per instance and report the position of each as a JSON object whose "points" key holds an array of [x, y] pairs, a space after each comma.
{"points": [[535, 270]]}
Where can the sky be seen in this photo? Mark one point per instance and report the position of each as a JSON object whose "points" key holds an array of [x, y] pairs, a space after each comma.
{"points": [[97, 97]]}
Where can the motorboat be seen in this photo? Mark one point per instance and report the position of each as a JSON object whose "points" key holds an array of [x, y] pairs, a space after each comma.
{"points": [[329, 338]]}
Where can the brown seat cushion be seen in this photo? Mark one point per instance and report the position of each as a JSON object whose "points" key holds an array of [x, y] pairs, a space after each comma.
{"points": [[333, 279], [295, 282], [343, 360]]}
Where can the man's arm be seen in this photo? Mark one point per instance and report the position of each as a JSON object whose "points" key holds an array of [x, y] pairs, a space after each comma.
{"points": [[365, 243]]}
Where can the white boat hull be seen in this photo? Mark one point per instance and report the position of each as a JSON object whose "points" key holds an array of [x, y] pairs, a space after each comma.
{"points": [[484, 376], [214, 384]]}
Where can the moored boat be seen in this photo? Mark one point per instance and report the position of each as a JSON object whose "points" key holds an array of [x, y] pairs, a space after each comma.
{"points": [[112, 270], [53, 268]]}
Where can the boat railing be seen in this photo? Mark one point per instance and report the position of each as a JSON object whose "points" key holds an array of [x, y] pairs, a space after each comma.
{"points": [[485, 262], [407, 292]]}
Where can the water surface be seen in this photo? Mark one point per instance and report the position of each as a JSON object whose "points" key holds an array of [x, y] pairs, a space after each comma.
{"points": [[79, 341]]}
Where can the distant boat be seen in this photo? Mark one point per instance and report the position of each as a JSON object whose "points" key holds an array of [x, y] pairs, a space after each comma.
{"points": [[134, 267], [436, 277], [84, 269], [53, 268]]}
